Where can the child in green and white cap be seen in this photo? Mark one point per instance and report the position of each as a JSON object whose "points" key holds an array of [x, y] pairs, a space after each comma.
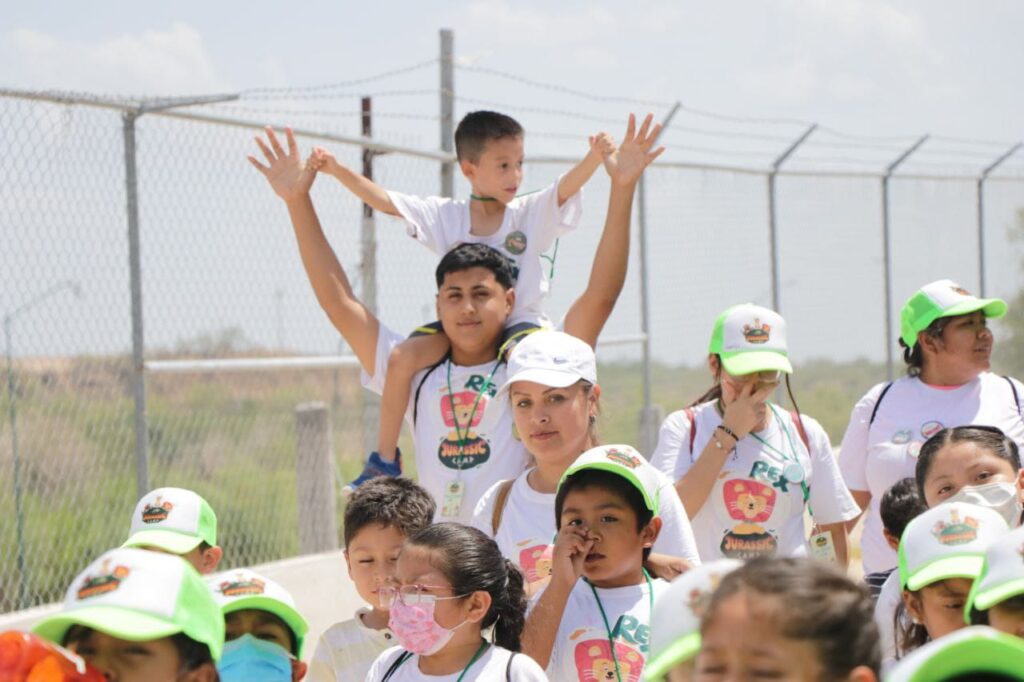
{"points": [[940, 556], [140, 616], [997, 598], [675, 624], [264, 633], [177, 521], [972, 654]]}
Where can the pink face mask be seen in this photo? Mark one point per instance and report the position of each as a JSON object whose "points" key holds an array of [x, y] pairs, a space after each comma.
{"points": [[416, 629]]}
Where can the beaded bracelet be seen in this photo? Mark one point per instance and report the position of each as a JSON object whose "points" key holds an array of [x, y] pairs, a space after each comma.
{"points": [[729, 432]]}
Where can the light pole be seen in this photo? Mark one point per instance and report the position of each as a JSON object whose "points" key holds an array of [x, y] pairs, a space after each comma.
{"points": [[12, 412]]}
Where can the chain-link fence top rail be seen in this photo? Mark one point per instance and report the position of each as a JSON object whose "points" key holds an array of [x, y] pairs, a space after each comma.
{"points": [[221, 277]]}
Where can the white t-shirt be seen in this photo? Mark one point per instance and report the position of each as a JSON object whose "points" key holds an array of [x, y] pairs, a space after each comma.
{"points": [[756, 507], [491, 666], [528, 526], [346, 650], [885, 612], [530, 226], [484, 453], [874, 456], [582, 651]]}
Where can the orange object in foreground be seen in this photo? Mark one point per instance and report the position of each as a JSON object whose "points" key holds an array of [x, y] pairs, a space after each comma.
{"points": [[25, 657]]}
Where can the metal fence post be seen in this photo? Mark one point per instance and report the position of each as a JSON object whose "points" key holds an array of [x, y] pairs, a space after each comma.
{"points": [[650, 415], [981, 212], [447, 110], [135, 277], [368, 278], [773, 235], [887, 253], [318, 527]]}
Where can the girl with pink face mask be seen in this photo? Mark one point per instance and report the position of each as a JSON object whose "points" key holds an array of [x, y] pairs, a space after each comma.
{"points": [[457, 608]]}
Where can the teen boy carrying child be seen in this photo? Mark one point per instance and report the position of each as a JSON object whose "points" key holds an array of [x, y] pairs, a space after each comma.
{"points": [[489, 148], [177, 521], [263, 631], [457, 457], [598, 627], [379, 516]]}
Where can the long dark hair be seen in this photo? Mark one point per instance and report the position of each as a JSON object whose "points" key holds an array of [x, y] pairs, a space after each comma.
{"points": [[472, 562], [909, 635]]}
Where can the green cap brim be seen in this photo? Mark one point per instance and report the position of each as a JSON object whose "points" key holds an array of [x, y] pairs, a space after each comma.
{"points": [[111, 620], [993, 308], [652, 503], [986, 599], [995, 653], [683, 649], [167, 540], [965, 566], [292, 618], [738, 363]]}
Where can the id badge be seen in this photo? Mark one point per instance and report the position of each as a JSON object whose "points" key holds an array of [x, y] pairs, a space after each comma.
{"points": [[453, 493], [822, 547]]}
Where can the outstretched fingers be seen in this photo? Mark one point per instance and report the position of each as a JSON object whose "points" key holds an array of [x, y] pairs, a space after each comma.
{"points": [[630, 130], [259, 166], [266, 152], [275, 144], [293, 147], [644, 128]]}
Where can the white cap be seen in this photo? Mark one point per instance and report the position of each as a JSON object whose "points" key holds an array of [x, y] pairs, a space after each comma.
{"points": [[947, 541], [242, 588], [750, 339], [675, 623], [1002, 575], [173, 519], [551, 358], [623, 461]]}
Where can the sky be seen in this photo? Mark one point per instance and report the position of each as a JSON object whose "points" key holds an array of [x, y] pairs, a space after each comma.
{"points": [[875, 75]]}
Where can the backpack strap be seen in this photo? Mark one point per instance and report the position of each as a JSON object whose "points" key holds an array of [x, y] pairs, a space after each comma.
{"points": [[499, 504], [799, 423], [692, 418], [395, 665], [1016, 398], [508, 667], [419, 386], [879, 402]]}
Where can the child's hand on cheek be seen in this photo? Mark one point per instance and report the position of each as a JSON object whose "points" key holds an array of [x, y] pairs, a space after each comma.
{"points": [[572, 545]]}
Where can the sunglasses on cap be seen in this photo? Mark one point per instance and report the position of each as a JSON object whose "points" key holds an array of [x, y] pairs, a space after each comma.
{"points": [[771, 376]]}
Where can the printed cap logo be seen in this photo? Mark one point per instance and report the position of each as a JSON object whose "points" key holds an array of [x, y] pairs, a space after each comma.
{"points": [[106, 582], [757, 333], [623, 458], [241, 586], [957, 531], [698, 599], [155, 512], [959, 290]]}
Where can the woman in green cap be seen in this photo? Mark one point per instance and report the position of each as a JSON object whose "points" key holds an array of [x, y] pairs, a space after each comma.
{"points": [[947, 346], [745, 469]]}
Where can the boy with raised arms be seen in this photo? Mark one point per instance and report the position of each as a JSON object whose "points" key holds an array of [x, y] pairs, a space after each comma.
{"points": [[457, 457]]}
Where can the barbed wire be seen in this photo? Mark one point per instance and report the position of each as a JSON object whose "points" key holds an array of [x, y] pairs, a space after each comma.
{"points": [[277, 111], [345, 95], [297, 90]]}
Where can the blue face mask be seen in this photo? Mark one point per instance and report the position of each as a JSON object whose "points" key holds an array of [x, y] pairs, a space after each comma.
{"points": [[247, 658]]}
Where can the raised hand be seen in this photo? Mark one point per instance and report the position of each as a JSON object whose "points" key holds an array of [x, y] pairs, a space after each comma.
{"points": [[572, 544], [628, 162], [745, 413], [288, 175], [601, 145]]}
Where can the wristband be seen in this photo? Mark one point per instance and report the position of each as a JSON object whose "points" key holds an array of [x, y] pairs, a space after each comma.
{"points": [[729, 432]]}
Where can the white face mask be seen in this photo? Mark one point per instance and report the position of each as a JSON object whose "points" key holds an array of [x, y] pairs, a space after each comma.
{"points": [[1000, 497]]}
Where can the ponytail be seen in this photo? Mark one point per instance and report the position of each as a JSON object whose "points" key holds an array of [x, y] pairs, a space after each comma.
{"points": [[715, 392], [472, 562], [909, 635], [508, 610]]}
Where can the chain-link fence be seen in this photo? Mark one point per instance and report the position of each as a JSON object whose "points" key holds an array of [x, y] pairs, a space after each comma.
{"points": [[219, 279]]}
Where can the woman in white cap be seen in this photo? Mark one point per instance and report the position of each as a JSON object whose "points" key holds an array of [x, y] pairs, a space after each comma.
{"points": [[747, 470], [946, 345], [940, 556], [552, 384]]}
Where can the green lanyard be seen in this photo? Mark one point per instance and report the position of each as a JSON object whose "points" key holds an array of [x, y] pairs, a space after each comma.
{"points": [[608, 628], [785, 458], [472, 412], [479, 652]]}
